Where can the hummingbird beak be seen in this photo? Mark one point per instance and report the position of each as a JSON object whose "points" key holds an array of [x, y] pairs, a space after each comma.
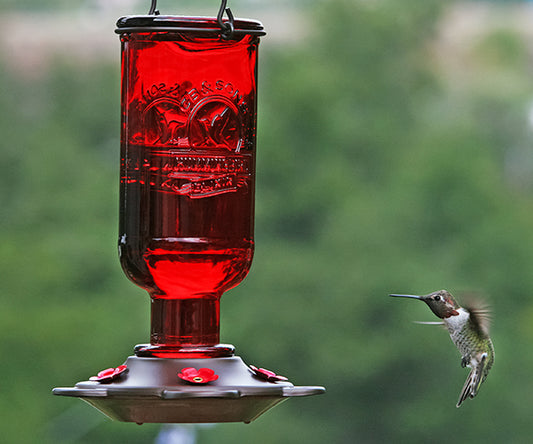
{"points": [[412, 296]]}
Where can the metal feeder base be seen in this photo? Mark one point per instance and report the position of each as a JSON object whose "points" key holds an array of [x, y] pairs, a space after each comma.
{"points": [[151, 392]]}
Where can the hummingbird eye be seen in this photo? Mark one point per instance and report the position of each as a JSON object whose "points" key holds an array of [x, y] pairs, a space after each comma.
{"points": [[437, 298]]}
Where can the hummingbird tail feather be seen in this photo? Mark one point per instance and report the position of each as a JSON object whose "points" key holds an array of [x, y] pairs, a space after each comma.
{"points": [[474, 380], [466, 392]]}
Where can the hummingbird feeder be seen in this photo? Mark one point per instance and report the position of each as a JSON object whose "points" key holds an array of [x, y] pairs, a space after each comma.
{"points": [[187, 180]]}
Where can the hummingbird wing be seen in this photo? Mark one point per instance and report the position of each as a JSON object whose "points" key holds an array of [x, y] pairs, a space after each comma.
{"points": [[474, 380], [479, 317]]}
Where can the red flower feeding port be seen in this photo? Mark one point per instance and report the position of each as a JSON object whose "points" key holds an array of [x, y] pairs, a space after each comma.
{"points": [[110, 374], [188, 146], [267, 375], [202, 376]]}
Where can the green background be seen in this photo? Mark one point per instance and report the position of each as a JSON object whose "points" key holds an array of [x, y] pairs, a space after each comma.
{"points": [[388, 162]]}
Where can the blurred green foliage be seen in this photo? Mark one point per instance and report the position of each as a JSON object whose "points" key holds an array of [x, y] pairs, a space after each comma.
{"points": [[376, 174]]}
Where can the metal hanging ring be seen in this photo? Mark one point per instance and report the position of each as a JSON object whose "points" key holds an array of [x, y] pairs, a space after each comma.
{"points": [[227, 27]]}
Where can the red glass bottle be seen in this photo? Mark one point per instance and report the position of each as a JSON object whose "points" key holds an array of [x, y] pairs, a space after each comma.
{"points": [[187, 172]]}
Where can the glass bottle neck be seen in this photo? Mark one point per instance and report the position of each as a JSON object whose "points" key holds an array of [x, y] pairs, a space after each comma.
{"points": [[185, 328]]}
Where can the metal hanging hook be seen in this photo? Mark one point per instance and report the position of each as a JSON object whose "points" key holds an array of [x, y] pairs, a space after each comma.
{"points": [[228, 26], [153, 8]]}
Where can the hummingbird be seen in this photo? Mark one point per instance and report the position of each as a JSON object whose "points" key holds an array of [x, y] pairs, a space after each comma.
{"points": [[469, 330]]}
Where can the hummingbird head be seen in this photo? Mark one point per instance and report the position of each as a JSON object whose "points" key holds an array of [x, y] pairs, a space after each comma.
{"points": [[440, 302]]}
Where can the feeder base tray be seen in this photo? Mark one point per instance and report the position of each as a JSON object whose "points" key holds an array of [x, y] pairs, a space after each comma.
{"points": [[151, 392]]}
